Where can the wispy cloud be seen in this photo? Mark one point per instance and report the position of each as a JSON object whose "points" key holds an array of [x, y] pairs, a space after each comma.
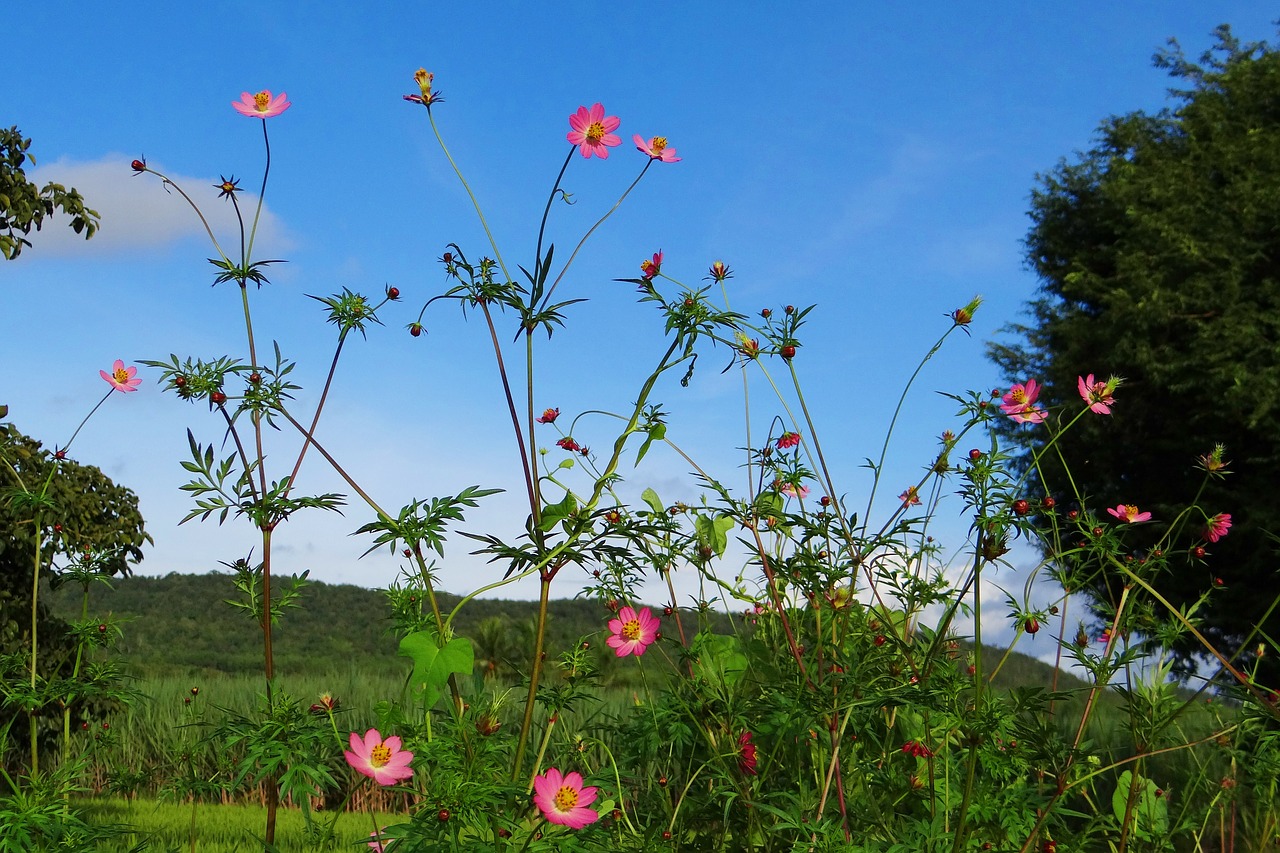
{"points": [[138, 213]]}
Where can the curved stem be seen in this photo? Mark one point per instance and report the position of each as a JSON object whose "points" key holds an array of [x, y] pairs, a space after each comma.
{"points": [[546, 299]]}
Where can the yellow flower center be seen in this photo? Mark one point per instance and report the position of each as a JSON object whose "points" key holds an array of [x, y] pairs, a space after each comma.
{"points": [[658, 143], [262, 101], [595, 132], [1130, 511], [380, 755], [1018, 395], [121, 375], [566, 798], [631, 630]]}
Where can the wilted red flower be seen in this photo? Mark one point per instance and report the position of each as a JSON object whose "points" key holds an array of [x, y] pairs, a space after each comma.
{"points": [[650, 268], [1097, 394], [548, 416], [788, 440], [567, 443], [1217, 526], [746, 754]]}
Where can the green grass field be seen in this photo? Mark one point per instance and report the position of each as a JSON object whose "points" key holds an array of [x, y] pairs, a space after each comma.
{"points": [[181, 828]]}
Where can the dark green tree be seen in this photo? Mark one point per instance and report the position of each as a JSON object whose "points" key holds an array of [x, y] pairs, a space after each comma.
{"points": [[83, 509], [1158, 254], [23, 205]]}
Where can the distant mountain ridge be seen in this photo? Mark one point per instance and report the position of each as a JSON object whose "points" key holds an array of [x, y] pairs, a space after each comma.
{"points": [[179, 623]]}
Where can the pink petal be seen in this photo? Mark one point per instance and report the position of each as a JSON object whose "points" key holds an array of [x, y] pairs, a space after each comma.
{"points": [[610, 124]]}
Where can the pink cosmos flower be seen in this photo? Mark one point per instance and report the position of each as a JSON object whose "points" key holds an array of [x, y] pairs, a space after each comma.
{"points": [[656, 148], [562, 799], [1129, 513], [122, 378], [651, 268], [1217, 526], [1019, 403], [746, 754], [911, 497], [262, 105], [593, 131], [791, 490], [788, 440], [1096, 394], [376, 842], [632, 631], [383, 761]]}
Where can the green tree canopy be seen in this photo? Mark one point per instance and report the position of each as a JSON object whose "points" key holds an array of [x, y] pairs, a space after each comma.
{"points": [[90, 511], [23, 206], [1158, 253]]}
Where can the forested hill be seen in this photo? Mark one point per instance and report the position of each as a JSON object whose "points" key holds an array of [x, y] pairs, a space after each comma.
{"points": [[181, 623]]}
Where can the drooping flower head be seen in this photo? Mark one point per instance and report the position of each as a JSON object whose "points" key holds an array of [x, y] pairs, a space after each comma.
{"points": [[261, 105], [383, 761], [122, 378], [1129, 513], [788, 440], [633, 631], [568, 443], [791, 490], [548, 416], [650, 268], [1097, 394], [1217, 526], [1019, 403], [746, 754], [656, 147], [563, 799], [593, 131]]}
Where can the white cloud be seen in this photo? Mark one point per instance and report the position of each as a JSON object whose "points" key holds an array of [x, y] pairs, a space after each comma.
{"points": [[139, 213]]}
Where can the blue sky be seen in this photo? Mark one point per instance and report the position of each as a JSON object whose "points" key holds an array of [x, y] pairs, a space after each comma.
{"points": [[874, 161]]}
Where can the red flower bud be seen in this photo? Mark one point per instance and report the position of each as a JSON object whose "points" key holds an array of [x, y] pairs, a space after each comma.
{"points": [[415, 329], [1021, 507], [218, 398], [788, 352], [442, 815], [61, 454], [102, 629], [393, 293], [1032, 625], [255, 377], [139, 165], [975, 455]]}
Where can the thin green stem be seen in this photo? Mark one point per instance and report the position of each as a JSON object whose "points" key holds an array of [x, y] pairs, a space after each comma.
{"points": [[474, 201], [262, 194], [547, 299]]}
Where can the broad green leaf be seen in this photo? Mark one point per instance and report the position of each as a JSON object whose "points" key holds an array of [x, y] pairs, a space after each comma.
{"points": [[552, 514], [433, 664], [650, 497], [719, 658]]}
